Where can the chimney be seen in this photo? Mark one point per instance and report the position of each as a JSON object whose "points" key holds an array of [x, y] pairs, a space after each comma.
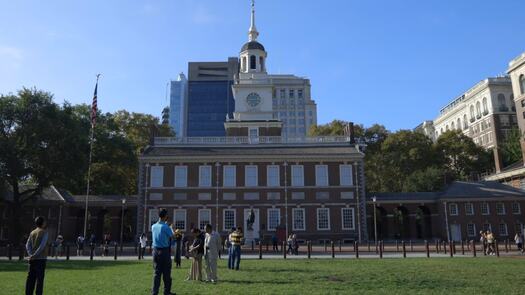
{"points": [[350, 131]]}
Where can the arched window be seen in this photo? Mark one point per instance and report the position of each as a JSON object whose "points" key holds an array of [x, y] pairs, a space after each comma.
{"points": [[485, 106], [458, 125], [243, 67], [261, 62], [472, 116], [465, 123], [478, 110], [522, 84], [253, 62], [441, 130], [512, 103], [502, 103], [446, 128], [452, 126]]}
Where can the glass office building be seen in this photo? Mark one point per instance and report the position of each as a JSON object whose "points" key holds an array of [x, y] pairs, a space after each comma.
{"points": [[178, 101]]}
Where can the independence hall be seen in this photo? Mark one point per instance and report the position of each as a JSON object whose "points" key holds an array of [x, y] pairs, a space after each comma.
{"points": [[313, 187]]}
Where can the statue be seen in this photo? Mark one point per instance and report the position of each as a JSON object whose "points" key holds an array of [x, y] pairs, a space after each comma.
{"points": [[251, 220]]}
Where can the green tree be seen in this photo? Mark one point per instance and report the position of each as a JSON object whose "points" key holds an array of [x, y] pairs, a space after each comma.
{"points": [[511, 147], [431, 179], [39, 142], [462, 157]]}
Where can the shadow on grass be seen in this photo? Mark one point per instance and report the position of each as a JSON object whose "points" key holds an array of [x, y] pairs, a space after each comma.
{"points": [[21, 266]]}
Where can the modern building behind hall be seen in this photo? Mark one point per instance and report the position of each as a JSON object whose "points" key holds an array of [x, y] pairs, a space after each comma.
{"points": [[486, 113], [178, 105]]}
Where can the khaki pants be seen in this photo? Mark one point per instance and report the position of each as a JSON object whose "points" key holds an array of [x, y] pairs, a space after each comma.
{"points": [[211, 267]]}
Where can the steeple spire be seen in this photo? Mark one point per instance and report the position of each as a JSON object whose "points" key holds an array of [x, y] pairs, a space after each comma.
{"points": [[252, 33]]}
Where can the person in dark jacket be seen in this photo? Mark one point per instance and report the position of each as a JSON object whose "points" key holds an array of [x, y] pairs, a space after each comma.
{"points": [[178, 247]]}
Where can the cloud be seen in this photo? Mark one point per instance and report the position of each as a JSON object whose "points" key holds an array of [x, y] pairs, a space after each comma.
{"points": [[11, 56]]}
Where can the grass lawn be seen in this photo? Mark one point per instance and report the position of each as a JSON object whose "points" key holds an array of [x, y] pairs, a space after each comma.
{"points": [[487, 275]]}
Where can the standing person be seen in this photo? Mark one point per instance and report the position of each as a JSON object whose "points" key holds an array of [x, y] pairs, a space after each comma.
{"points": [[236, 239], [490, 243], [212, 246], [196, 251], [295, 244], [178, 247], [143, 240], [518, 239], [58, 246], [161, 234], [290, 245], [275, 243], [36, 247], [229, 248], [80, 245], [483, 241]]}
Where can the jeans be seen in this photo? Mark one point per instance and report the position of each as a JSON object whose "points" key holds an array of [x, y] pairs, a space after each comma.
{"points": [[236, 256], [37, 269], [162, 267], [230, 257]]}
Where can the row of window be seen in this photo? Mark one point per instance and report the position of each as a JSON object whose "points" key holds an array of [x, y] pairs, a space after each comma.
{"points": [[485, 209], [251, 176], [502, 229], [348, 195], [292, 93], [273, 218]]}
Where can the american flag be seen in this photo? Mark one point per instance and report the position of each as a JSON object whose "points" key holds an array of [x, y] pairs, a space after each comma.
{"points": [[94, 105]]}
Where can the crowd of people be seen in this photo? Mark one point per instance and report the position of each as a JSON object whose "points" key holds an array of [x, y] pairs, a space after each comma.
{"points": [[488, 240]]}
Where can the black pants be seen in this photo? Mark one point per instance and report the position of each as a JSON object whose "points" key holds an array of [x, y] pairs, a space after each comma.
{"points": [[162, 267], [36, 273]]}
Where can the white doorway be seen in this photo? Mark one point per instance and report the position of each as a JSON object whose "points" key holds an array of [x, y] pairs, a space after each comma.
{"points": [[455, 232]]}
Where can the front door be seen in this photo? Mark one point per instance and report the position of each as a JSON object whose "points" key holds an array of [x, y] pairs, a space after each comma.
{"points": [[455, 232], [251, 225]]}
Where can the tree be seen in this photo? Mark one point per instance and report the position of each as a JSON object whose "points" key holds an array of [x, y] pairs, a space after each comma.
{"points": [[461, 156], [431, 179], [39, 142], [511, 147]]}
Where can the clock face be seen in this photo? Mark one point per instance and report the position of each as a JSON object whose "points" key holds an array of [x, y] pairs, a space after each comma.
{"points": [[253, 99]]}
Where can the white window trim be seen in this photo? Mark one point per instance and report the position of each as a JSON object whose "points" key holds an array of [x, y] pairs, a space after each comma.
{"points": [[151, 219], [504, 209], [155, 197], [224, 175], [450, 205], [268, 217], [293, 176], [467, 212], [246, 175], [224, 218], [343, 219], [185, 218], [201, 184], [519, 208], [208, 196], [199, 217], [506, 234], [157, 168], [317, 179], [341, 182], [317, 221], [268, 168], [474, 234], [488, 209], [293, 219], [185, 168]]}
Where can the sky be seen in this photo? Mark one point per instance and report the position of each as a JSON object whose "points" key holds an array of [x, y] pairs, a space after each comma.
{"points": [[394, 63]]}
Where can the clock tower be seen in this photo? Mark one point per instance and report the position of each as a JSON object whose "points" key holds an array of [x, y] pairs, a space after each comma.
{"points": [[253, 92]]}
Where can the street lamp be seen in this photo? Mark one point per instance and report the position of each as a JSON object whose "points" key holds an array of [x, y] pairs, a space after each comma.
{"points": [[145, 199], [217, 166], [374, 200], [285, 164], [122, 225]]}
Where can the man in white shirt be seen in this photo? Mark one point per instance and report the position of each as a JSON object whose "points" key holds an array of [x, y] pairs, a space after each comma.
{"points": [[212, 246]]}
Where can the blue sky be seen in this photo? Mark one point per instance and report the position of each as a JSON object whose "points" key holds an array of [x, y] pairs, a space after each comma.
{"points": [[391, 62]]}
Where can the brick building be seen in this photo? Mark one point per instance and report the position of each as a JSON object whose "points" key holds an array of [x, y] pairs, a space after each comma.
{"points": [[314, 188], [65, 215], [458, 213]]}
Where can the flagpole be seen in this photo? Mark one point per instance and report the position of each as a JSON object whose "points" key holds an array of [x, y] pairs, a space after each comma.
{"points": [[89, 164]]}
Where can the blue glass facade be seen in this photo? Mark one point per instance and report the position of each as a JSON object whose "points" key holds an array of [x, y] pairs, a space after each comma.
{"points": [[208, 104], [178, 93]]}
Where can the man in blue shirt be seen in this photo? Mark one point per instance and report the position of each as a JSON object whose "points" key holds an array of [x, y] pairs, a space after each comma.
{"points": [[161, 235]]}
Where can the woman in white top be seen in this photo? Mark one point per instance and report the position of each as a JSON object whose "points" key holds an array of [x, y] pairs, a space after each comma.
{"points": [[518, 239], [143, 244]]}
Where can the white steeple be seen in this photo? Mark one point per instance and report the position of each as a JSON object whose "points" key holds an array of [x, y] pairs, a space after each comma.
{"points": [[252, 33]]}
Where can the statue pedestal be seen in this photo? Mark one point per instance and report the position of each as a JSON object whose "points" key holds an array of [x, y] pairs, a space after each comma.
{"points": [[249, 236]]}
